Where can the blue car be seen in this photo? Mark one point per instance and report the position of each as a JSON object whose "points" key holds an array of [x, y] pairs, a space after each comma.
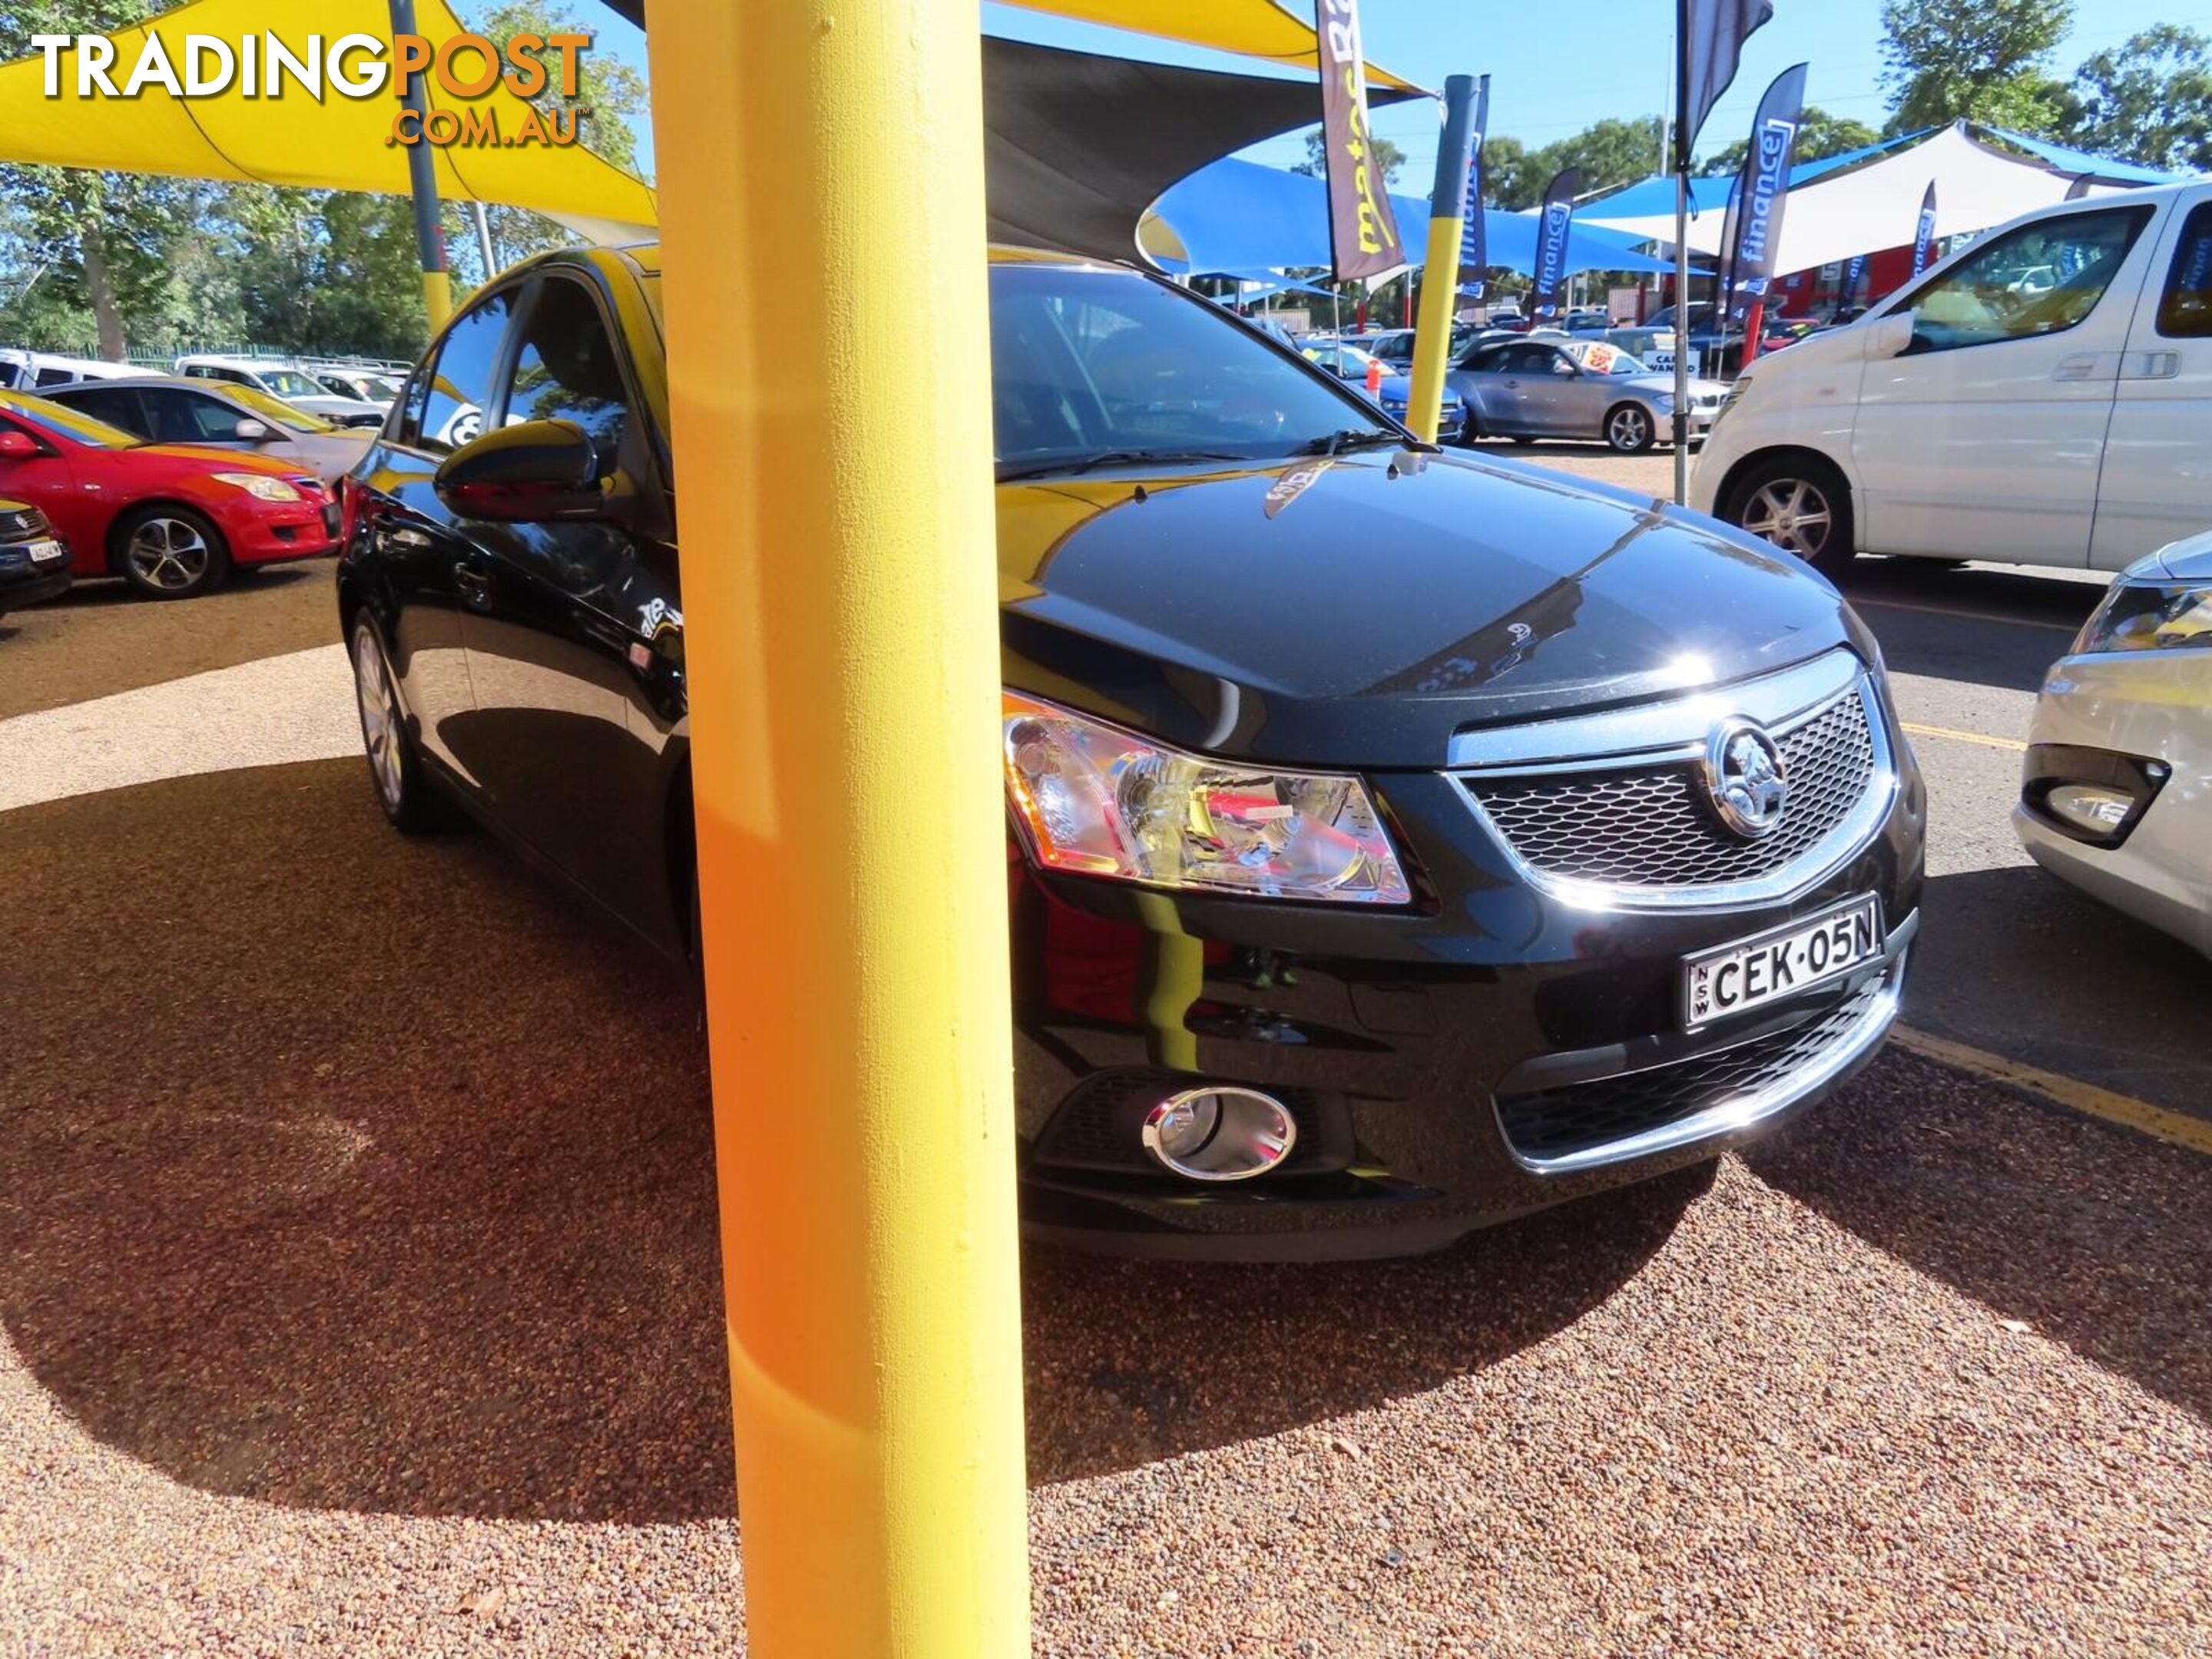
{"points": [[1349, 363]]}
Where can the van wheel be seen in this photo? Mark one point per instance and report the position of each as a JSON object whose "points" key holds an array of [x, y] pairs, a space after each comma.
{"points": [[1802, 505], [1629, 430]]}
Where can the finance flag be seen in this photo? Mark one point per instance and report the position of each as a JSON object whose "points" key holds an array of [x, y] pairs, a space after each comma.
{"points": [[1474, 261], [1757, 232], [1923, 239], [1552, 241], [1362, 230], [1710, 42]]}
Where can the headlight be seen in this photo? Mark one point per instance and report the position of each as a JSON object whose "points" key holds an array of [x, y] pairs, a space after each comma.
{"points": [[260, 485], [2150, 617], [1097, 800]]}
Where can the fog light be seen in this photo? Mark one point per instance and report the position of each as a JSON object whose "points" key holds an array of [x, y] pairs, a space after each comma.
{"points": [[1219, 1134], [2098, 810]]}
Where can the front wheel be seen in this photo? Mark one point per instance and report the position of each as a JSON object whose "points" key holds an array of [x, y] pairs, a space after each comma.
{"points": [[1630, 430], [1801, 507], [170, 552], [395, 770]]}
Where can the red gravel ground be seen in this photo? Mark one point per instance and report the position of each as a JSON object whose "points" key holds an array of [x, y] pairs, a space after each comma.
{"points": [[358, 1285]]}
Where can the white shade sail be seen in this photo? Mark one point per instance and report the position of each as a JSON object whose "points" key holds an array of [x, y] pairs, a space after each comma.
{"points": [[1876, 205]]}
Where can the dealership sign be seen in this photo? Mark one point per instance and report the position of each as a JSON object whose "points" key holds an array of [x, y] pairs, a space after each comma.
{"points": [[1551, 234], [1362, 227], [1766, 182], [465, 66]]}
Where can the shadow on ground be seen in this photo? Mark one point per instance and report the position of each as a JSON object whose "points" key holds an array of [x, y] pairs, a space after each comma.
{"points": [[341, 1171]]}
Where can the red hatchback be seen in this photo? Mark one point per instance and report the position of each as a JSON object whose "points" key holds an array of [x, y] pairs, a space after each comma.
{"points": [[170, 520]]}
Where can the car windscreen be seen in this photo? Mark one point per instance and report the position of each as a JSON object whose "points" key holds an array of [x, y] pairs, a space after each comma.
{"points": [[289, 383], [50, 416], [277, 411], [1087, 362]]}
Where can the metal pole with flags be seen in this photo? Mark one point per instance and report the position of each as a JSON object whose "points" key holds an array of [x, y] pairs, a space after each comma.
{"points": [[1440, 280], [1708, 37], [1923, 233], [1362, 230]]}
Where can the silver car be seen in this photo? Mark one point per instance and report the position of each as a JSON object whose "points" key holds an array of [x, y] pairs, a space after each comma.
{"points": [[2115, 793], [1528, 389], [167, 408]]}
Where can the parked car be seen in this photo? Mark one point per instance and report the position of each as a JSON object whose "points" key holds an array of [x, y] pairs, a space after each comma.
{"points": [[1536, 388], [366, 386], [169, 409], [295, 385], [35, 564], [35, 371], [1398, 841], [1349, 363], [2115, 792], [172, 519], [1587, 322], [1966, 418]]}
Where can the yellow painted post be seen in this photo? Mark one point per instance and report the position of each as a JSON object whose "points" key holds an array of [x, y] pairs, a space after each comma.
{"points": [[821, 176], [1440, 275], [422, 188]]}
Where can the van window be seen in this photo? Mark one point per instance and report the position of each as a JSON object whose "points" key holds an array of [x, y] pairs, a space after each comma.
{"points": [[2042, 278], [2184, 312]]}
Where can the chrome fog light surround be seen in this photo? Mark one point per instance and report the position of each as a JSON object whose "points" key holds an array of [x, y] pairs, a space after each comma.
{"points": [[1219, 1133]]}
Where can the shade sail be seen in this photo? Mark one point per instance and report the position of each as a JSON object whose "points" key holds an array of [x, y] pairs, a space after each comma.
{"points": [[1239, 216], [1250, 28], [1870, 200], [1077, 146], [337, 143]]}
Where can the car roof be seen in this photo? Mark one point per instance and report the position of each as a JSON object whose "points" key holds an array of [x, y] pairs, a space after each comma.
{"points": [[646, 256], [110, 382]]}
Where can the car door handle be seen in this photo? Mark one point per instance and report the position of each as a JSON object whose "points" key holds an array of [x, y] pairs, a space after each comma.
{"points": [[2153, 366], [412, 541], [2088, 366], [474, 585]]}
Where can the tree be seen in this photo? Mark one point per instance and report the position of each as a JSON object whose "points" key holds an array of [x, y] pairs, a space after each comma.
{"points": [[1506, 171], [1977, 60], [1819, 135], [1613, 153], [1384, 154], [2150, 101]]}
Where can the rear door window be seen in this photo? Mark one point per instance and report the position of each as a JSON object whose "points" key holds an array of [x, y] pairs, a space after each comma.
{"points": [[177, 416], [116, 406], [2184, 310]]}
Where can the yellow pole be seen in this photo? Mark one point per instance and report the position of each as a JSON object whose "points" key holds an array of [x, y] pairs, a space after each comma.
{"points": [[1440, 275], [437, 297], [822, 209]]}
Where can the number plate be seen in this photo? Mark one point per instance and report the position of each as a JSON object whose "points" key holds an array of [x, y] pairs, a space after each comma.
{"points": [[1780, 963], [46, 552]]}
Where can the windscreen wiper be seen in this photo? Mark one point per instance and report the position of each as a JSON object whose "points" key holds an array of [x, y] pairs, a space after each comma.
{"points": [[1115, 458], [1351, 438]]}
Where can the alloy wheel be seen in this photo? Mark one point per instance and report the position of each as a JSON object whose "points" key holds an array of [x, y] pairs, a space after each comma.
{"points": [[1630, 429], [168, 554], [380, 716], [1792, 514]]}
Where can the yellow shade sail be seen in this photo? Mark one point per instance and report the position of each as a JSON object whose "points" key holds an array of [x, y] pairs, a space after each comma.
{"points": [[1250, 28], [337, 143]]}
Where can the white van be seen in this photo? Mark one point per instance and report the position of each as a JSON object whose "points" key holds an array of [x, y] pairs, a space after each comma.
{"points": [[27, 371], [1980, 415], [295, 385]]}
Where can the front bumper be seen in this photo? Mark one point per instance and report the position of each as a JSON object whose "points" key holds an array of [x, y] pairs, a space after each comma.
{"points": [[1406, 1043], [25, 582], [271, 533]]}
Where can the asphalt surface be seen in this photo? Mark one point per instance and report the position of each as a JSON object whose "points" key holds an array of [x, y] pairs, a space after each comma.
{"points": [[359, 1290]]}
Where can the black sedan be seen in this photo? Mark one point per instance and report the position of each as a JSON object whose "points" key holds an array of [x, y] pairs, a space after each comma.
{"points": [[1399, 841], [34, 563]]}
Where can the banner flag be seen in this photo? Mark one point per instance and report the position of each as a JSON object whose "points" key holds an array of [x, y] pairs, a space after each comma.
{"points": [[1758, 233], [1475, 262], [1708, 45], [1362, 230], [1725, 268], [2079, 190], [1852, 273], [1558, 218], [1923, 238]]}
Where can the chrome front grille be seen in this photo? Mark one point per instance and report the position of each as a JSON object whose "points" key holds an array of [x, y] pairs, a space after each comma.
{"points": [[1612, 809], [1651, 827]]}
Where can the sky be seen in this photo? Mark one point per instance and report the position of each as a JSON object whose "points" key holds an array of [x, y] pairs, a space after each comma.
{"points": [[1610, 57]]}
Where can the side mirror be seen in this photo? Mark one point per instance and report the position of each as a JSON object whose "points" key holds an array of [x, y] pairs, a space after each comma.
{"points": [[1889, 336], [251, 432], [18, 446], [535, 472]]}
